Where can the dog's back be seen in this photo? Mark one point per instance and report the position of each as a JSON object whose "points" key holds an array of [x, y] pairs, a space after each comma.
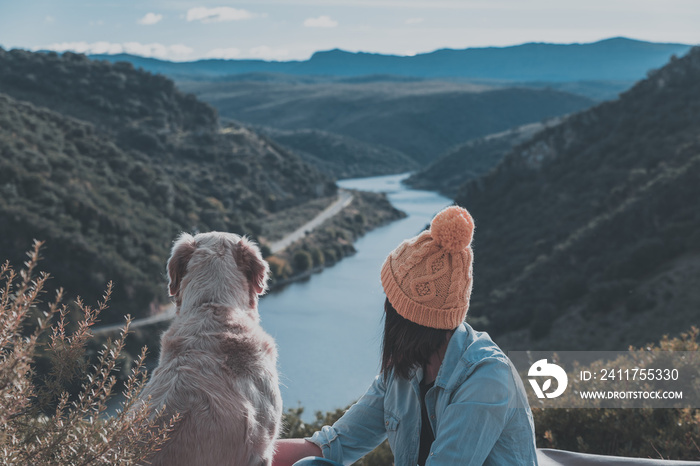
{"points": [[228, 399], [218, 371]]}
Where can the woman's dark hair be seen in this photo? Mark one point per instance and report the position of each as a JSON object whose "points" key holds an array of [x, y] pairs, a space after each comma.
{"points": [[407, 345]]}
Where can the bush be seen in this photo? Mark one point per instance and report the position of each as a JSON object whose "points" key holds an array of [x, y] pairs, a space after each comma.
{"points": [[279, 268], [672, 433], [605, 295], [41, 422], [265, 250], [541, 325], [639, 302], [330, 256], [302, 261], [317, 257]]}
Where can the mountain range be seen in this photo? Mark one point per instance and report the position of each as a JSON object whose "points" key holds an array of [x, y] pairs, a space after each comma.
{"points": [[420, 119], [615, 59], [418, 106]]}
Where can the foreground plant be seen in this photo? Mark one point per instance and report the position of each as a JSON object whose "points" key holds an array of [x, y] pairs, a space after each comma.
{"points": [[57, 415], [665, 433]]}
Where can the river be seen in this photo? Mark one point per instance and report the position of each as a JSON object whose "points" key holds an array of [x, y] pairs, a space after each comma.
{"points": [[328, 328]]}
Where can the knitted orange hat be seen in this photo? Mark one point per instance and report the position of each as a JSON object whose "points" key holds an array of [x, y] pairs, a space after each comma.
{"points": [[428, 278]]}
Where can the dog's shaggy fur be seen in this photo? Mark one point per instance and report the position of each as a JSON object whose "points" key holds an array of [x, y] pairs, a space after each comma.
{"points": [[217, 368]]}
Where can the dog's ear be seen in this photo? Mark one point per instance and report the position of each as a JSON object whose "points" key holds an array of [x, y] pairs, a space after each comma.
{"points": [[179, 258], [250, 262]]}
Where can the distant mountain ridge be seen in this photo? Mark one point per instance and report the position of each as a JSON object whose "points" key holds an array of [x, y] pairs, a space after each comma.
{"points": [[421, 119], [616, 59]]}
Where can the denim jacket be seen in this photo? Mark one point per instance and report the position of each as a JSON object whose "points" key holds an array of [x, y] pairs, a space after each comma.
{"points": [[478, 411]]}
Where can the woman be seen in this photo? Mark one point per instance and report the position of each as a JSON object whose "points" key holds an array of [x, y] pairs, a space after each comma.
{"points": [[446, 395]]}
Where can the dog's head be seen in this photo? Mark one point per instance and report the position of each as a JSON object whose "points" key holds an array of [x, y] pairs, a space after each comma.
{"points": [[216, 263]]}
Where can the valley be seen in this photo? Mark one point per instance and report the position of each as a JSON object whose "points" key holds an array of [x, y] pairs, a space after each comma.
{"points": [[558, 183]]}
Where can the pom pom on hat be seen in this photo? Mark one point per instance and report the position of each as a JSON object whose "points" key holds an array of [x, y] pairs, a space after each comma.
{"points": [[452, 229]]}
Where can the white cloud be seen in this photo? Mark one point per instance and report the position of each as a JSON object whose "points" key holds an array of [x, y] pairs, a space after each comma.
{"points": [[180, 50], [414, 20], [227, 53], [320, 22], [154, 50], [218, 14], [150, 18], [84, 47], [49, 19], [268, 53]]}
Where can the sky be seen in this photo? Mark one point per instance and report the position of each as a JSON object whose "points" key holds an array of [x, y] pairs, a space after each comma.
{"points": [[182, 30]]}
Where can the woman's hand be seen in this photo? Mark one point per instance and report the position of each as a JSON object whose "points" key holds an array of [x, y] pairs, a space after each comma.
{"points": [[289, 451]]}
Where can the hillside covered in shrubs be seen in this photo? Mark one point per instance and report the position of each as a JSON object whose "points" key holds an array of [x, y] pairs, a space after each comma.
{"points": [[113, 97], [341, 156], [588, 234], [107, 164], [418, 118], [472, 159]]}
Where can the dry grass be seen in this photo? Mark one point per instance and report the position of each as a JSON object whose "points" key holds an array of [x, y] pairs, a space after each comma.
{"points": [[56, 415], [664, 433]]}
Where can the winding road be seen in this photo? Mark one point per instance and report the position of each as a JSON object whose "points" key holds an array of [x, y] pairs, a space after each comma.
{"points": [[345, 197]]}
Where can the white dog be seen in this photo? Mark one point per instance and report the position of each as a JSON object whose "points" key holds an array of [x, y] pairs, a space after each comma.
{"points": [[217, 367]]}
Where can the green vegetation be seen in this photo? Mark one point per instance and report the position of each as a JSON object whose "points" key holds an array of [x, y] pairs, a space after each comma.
{"points": [[135, 106], [588, 233], [127, 163], [472, 159], [341, 156], [672, 433], [302, 261], [421, 119], [334, 239], [317, 257], [56, 416]]}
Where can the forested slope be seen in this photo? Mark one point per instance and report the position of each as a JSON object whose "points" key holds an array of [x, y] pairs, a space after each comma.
{"points": [[110, 174], [588, 235], [421, 119], [472, 159]]}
